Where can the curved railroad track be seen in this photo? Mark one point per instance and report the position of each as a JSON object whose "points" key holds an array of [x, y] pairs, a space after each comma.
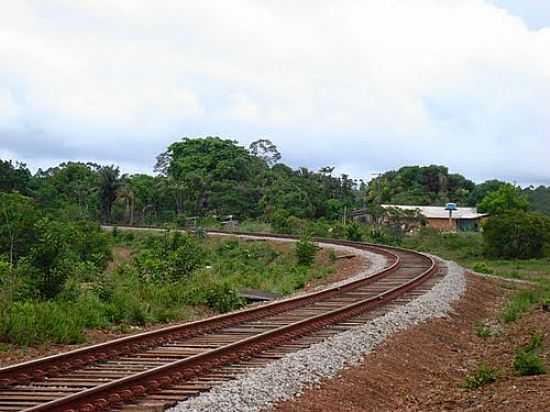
{"points": [[171, 364]]}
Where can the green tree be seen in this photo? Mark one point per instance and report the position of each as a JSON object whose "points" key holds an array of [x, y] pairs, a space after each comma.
{"points": [[109, 184], [18, 215], [265, 150], [70, 185], [416, 185], [507, 198], [14, 178], [515, 234], [483, 189], [213, 175]]}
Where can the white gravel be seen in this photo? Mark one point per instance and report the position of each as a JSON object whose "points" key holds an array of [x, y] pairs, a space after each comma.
{"points": [[288, 377]]}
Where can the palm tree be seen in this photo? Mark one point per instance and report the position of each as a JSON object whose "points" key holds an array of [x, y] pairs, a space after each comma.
{"points": [[126, 192], [108, 186]]}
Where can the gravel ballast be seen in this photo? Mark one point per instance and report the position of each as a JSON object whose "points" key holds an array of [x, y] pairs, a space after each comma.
{"points": [[287, 378]]}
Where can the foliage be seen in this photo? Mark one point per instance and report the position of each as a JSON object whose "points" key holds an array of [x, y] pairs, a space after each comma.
{"points": [[265, 150], [14, 178], [482, 376], [18, 214], [60, 247], [539, 199], [482, 267], [354, 232], [70, 189], [171, 257], [481, 190], [108, 187], [306, 251], [518, 304], [415, 185], [518, 235], [506, 199], [223, 298]]}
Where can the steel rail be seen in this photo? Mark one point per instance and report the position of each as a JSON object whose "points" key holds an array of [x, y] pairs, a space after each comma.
{"points": [[54, 365], [115, 393]]}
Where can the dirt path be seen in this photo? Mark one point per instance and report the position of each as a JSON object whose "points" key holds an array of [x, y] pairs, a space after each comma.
{"points": [[423, 368]]}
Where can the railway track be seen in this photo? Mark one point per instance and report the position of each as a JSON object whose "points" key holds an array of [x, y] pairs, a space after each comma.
{"points": [[171, 364]]}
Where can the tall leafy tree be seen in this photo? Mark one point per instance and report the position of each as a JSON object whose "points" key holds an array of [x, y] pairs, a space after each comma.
{"points": [[506, 199], [14, 178], [70, 185], [18, 215], [265, 150], [210, 174]]}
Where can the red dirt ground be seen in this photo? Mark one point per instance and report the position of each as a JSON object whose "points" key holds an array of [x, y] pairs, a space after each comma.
{"points": [[423, 368]]}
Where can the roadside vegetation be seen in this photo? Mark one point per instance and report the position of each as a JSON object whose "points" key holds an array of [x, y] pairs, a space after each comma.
{"points": [[64, 283]]}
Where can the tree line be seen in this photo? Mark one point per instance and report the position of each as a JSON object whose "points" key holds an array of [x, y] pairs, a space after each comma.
{"points": [[213, 176]]}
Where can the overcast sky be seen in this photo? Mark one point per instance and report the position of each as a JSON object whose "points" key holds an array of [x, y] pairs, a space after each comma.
{"points": [[365, 86]]}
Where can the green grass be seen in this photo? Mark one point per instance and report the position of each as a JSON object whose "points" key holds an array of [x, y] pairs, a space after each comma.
{"points": [[467, 250]]}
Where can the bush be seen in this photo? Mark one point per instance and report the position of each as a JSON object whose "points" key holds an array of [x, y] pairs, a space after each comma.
{"points": [[279, 221], [481, 377], [223, 298], [306, 251], [515, 235], [354, 233], [527, 361]]}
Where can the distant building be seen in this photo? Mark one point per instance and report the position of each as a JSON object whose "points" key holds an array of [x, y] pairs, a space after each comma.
{"points": [[463, 219]]}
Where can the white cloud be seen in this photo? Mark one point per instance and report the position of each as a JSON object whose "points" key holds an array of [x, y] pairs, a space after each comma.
{"points": [[363, 85]]}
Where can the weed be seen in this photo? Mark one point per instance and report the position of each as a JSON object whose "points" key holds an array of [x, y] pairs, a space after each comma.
{"points": [[528, 363], [484, 331], [331, 255], [482, 376], [482, 267], [306, 251], [518, 304]]}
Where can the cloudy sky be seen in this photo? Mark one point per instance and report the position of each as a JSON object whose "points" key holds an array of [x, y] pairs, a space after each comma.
{"points": [[365, 86]]}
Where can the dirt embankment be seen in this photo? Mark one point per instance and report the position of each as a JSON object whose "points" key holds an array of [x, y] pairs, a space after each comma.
{"points": [[423, 368]]}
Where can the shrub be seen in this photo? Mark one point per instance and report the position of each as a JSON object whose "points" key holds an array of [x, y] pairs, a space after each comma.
{"points": [[516, 235], [295, 225], [484, 331], [223, 298], [528, 363], [354, 233], [482, 376], [279, 221], [187, 257], [306, 251]]}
